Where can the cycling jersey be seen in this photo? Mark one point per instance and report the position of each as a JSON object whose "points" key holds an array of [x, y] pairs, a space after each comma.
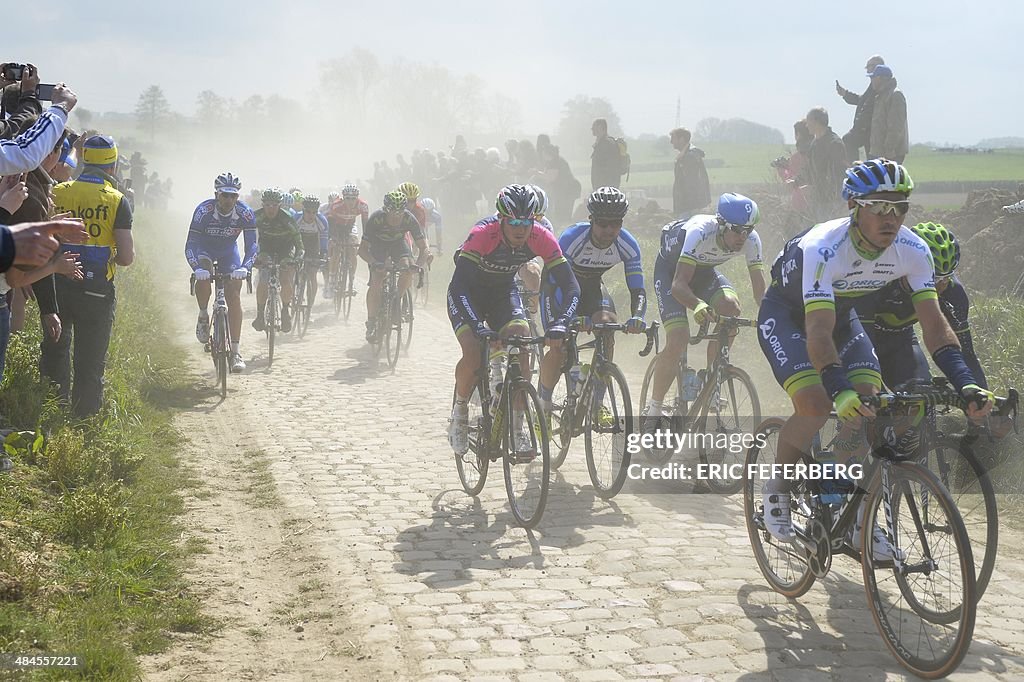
{"points": [[703, 244], [215, 237], [341, 217], [312, 234], [378, 230], [484, 278], [822, 268], [279, 236], [889, 319], [589, 263], [420, 213], [696, 241]]}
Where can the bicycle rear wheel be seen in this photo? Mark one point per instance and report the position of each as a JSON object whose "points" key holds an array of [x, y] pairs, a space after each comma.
{"points": [[673, 409], [729, 413], [783, 564], [472, 466], [299, 300], [926, 611], [526, 459], [407, 317], [607, 426], [965, 478]]}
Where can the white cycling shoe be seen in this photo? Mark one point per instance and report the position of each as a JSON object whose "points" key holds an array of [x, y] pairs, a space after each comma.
{"points": [[237, 363], [458, 433], [1015, 208], [778, 520]]}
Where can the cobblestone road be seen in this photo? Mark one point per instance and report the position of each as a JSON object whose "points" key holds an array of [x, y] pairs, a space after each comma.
{"points": [[644, 586]]}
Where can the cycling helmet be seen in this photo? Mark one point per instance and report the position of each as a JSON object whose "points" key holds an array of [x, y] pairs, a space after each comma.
{"points": [[227, 183], [311, 201], [943, 244], [288, 200], [607, 203], [518, 202], [296, 195], [876, 175], [736, 209], [410, 189], [394, 201], [332, 197], [272, 195], [542, 197], [428, 204], [349, 191]]}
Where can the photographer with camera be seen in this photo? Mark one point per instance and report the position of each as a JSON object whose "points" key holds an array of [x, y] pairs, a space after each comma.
{"points": [[27, 150]]}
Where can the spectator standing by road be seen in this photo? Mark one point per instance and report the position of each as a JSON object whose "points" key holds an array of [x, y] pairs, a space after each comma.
{"points": [[605, 162], [691, 189], [827, 166], [860, 133], [562, 186], [87, 306], [889, 136]]}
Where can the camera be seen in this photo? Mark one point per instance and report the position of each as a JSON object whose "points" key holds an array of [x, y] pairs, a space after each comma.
{"points": [[14, 72], [45, 91]]}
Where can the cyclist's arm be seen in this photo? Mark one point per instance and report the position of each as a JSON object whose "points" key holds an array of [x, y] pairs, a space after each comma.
{"points": [[463, 282], [195, 235], [681, 290], [249, 241], [956, 307], [757, 284], [562, 274], [755, 265], [364, 250], [299, 248], [942, 343], [634, 271]]}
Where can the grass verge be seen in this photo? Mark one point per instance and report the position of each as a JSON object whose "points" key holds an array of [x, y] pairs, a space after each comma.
{"points": [[89, 563]]}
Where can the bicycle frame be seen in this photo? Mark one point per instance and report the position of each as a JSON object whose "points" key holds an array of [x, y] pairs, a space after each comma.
{"points": [[493, 425]]}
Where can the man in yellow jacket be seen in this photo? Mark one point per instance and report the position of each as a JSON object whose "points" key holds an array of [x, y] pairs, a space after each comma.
{"points": [[86, 307]]}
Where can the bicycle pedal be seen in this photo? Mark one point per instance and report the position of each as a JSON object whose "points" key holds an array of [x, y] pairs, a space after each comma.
{"points": [[525, 457], [208, 347]]}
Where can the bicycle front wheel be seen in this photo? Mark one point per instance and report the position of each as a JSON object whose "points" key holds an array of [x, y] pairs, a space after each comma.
{"points": [[729, 412], [673, 411], [407, 317], [784, 565], [273, 315], [925, 608], [607, 428], [347, 293], [526, 459], [392, 330], [965, 478], [221, 350], [472, 466]]}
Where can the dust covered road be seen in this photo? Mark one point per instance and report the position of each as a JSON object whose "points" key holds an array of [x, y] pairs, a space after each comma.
{"points": [[412, 579]]}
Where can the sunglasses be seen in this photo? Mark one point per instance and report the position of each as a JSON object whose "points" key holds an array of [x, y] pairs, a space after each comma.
{"points": [[519, 222], [882, 206], [740, 229]]}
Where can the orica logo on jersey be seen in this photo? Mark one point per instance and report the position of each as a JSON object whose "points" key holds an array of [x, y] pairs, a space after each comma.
{"points": [[911, 242], [859, 284], [788, 267], [768, 333]]}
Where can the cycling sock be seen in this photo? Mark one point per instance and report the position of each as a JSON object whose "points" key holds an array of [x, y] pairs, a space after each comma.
{"points": [[654, 408], [775, 486], [544, 393], [234, 347], [461, 408]]}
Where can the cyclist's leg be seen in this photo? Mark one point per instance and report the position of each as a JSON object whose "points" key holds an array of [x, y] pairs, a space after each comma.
{"points": [[401, 254], [724, 300], [204, 289], [677, 333], [378, 255], [312, 267], [233, 296], [262, 278], [287, 276], [530, 274]]}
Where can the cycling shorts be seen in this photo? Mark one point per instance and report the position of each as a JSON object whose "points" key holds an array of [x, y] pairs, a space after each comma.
{"points": [[497, 306], [311, 245], [594, 298], [340, 231], [780, 331], [708, 284], [397, 249], [227, 259], [900, 357]]}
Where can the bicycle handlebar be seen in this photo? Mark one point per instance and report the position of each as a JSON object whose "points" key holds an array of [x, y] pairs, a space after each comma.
{"points": [[219, 277], [651, 332], [723, 325], [940, 392]]}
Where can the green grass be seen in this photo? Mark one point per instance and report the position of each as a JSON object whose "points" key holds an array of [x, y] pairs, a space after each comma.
{"points": [[88, 557], [746, 164]]}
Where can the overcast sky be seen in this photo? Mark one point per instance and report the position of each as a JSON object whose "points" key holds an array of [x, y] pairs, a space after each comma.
{"points": [[958, 63]]}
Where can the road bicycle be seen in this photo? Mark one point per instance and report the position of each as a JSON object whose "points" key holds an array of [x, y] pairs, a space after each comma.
{"points": [[342, 283], [726, 403], [305, 296], [393, 314], [508, 425], [593, 400], [272, 308], [924, 598], [218, 345]]}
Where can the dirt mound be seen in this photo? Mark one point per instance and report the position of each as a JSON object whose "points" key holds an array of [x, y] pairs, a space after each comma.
{"points": [[992, 259], [982, 209]]}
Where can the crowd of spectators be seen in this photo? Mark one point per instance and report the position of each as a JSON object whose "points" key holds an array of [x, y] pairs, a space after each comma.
{"points": [[463, 181], [65, 223]]}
